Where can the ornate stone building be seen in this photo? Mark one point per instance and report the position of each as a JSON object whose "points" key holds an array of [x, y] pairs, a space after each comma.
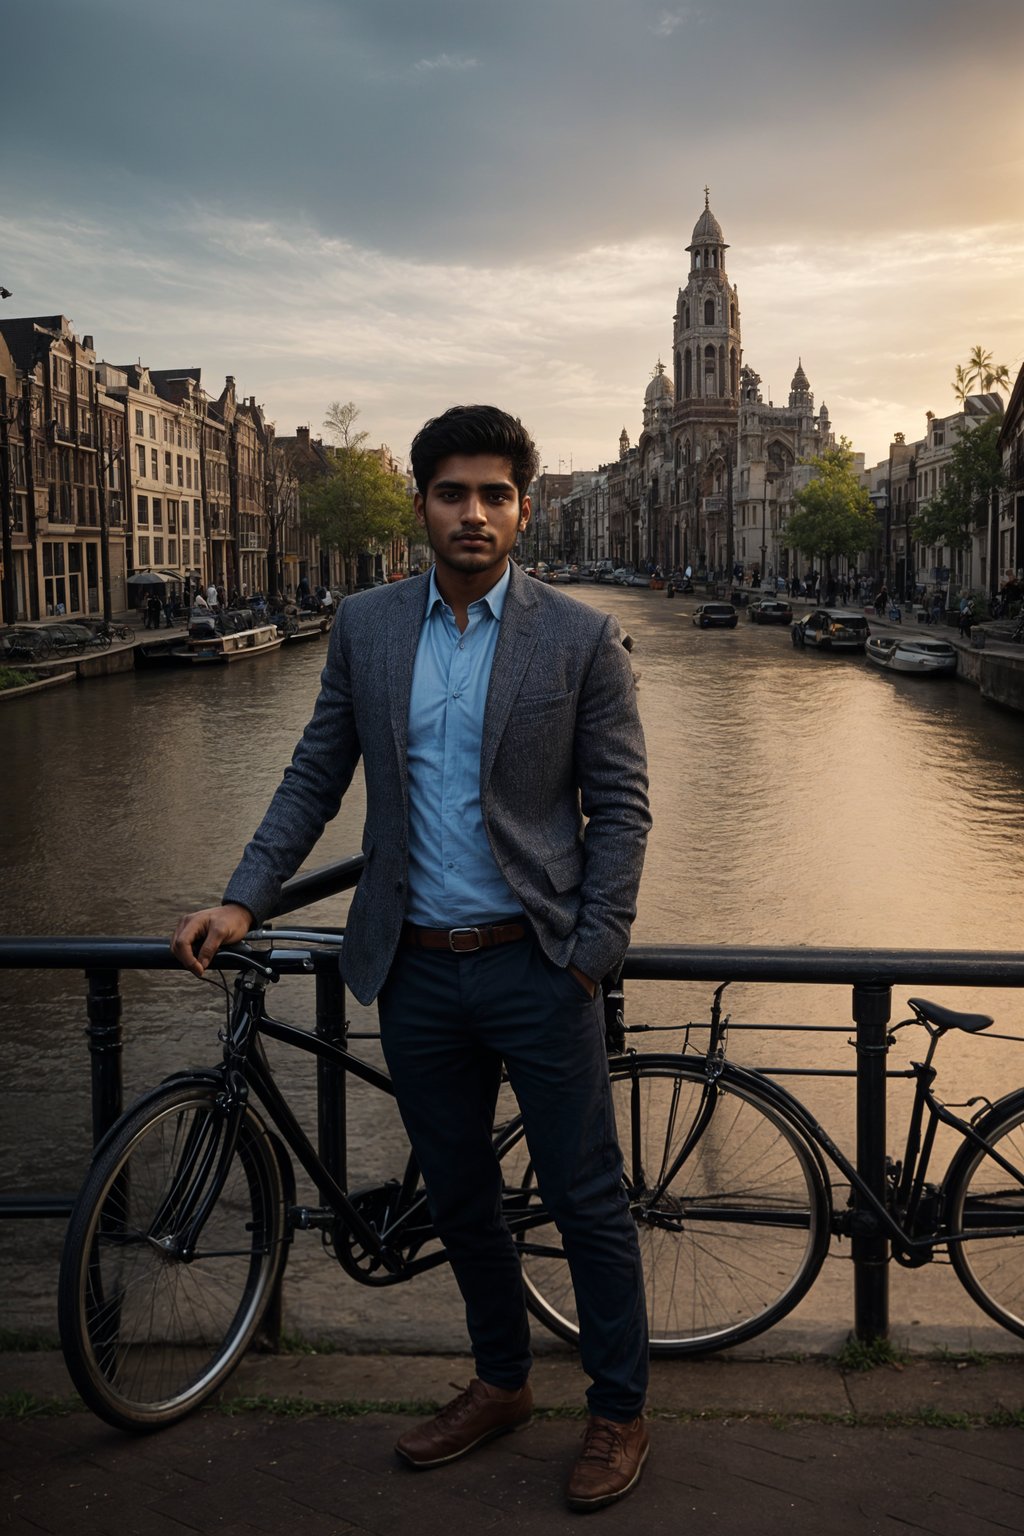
{"points": [[716, 467], [773, 443]]}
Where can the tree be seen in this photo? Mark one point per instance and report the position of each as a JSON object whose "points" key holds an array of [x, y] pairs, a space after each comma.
{"points": [[280, 501], [980, 373], [357, 506], [974, 474], [962, 383], [834, 513], [339, 423]]}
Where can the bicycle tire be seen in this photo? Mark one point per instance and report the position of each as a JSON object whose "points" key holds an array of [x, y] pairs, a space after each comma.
{"points": [[738, 1236], [147, 1336], [979, 1192]]}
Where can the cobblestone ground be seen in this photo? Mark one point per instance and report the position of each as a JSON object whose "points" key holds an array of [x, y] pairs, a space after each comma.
{"points": [[323, 1477]]}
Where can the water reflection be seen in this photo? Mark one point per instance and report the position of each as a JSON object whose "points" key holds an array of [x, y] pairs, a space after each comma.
{"points": [[797, 799]]}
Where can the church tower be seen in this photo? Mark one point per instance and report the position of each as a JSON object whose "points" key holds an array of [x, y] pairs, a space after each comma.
{"points": [[707, 357]]}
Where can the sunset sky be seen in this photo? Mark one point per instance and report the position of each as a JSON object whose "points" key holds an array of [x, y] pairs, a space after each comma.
{"points": [[411, 202]]}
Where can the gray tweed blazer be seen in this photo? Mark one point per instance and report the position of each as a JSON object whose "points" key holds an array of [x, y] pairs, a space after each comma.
{"points": [[563, 777]]}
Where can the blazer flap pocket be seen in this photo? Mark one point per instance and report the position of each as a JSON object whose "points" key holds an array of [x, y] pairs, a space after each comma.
{"points": [[530, 705], [565, 872]]}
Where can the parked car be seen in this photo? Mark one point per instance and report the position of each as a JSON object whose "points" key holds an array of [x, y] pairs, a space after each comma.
{"points": [[622, 574], [715, 616], [832, 629], [636, 579], [563, 573], [770, 610], [604, 570]]}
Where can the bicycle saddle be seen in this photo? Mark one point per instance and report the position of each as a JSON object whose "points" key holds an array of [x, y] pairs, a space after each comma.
{"points": [[948, 1018]]}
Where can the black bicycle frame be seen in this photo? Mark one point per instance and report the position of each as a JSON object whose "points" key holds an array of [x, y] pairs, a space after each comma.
{"points": [[783, 1100]]}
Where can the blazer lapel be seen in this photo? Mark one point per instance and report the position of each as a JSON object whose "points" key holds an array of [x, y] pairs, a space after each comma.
{"points": [[517, 639], [404, 626]]}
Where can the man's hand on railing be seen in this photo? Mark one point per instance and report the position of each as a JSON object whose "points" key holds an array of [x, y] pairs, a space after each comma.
{"points": [[215, 927]]}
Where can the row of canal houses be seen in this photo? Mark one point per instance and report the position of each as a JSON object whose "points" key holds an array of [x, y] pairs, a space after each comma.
{"points": [[106, 471]]}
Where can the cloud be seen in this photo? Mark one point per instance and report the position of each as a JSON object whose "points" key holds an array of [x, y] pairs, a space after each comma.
{"points": [[302, 316], [670, 21], [450, 61]]}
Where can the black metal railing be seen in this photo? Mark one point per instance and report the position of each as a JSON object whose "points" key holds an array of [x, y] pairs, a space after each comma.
{"points": [[871, 975]]}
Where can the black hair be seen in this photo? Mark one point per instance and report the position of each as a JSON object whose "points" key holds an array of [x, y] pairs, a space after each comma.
{"points": [[473, 429]]}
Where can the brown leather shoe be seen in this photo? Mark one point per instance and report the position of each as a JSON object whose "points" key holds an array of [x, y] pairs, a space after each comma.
{"points": [[478, 1413], [610, 1463]]}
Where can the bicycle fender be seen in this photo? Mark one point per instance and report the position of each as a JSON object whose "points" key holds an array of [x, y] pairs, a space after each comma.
{"points": [[1010, 1103], [198, 1077]]}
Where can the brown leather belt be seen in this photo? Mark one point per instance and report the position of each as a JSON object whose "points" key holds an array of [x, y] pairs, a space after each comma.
{"points": [[462, 941]]}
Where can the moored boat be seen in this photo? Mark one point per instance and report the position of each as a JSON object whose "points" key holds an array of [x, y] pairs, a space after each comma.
{"points": [[232, 635], [912, 654], [305, 626]]}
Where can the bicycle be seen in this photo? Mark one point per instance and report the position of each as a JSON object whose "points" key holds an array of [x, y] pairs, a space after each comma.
{"points": [[181, 1231], [25, 644]]}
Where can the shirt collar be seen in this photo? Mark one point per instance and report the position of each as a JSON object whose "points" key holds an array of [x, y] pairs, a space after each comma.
{"points": [[494, 599]]}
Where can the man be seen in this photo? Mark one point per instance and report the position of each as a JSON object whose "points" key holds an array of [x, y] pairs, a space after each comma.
{"points": [[492, 714]]}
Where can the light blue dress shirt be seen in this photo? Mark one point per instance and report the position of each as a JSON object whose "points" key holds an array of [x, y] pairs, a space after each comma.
{"points": [[453, 878]]}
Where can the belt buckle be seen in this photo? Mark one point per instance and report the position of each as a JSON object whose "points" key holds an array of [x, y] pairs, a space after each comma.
{"points": [[454, 932]]}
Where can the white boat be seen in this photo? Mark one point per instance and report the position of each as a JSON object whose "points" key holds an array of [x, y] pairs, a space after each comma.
{"points": [[911, 654], [230, 636]]}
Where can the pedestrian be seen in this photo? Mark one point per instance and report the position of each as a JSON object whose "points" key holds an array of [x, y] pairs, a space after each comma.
{"points": [[153, 611], [486, 915], [212, 599], [966, 615]]}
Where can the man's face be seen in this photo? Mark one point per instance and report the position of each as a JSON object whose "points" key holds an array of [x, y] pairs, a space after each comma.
{"points": [[472, 513]]}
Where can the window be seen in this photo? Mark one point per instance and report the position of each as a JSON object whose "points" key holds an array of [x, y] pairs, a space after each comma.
{"points": [[142, 510], [172, 551], [168, 470], [181, 470], [144, 550], [172, 516], [184, 517], [158, 551], [154, 464], [195, 553], [188, 473], [709, 311], [158, 512], [140, 424], [938, 434], [152, 427], [140, 454]]}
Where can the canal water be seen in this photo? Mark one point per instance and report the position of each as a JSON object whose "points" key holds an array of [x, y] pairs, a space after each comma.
{"points": [[797, 798]]}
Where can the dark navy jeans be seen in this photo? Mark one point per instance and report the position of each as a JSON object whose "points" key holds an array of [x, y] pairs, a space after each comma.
{"points": [[447, 1023]]}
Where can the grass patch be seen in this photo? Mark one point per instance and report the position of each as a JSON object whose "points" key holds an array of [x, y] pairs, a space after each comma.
{"points": [[23, 1405], [13, 1341], [306, 1407], [10, 677], [358, 1408], [869, 1354]]}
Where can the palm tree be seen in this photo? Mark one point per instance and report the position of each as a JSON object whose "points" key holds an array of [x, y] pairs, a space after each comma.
{"points": [[980, 373], [962, 382], [979, 364], [998, 377]]}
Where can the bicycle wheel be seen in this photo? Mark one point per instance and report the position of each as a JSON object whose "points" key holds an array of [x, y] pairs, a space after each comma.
{"points": [[730, 1242], [147, 1334], [979, 1193]]}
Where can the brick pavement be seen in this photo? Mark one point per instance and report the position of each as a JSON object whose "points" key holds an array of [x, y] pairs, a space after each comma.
{"points": [[322, 1477], [752, 1465]]}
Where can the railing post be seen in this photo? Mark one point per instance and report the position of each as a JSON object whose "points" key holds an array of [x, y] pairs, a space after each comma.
{"points": [[103, 1005], [872, 1007], [331, 1025]]}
